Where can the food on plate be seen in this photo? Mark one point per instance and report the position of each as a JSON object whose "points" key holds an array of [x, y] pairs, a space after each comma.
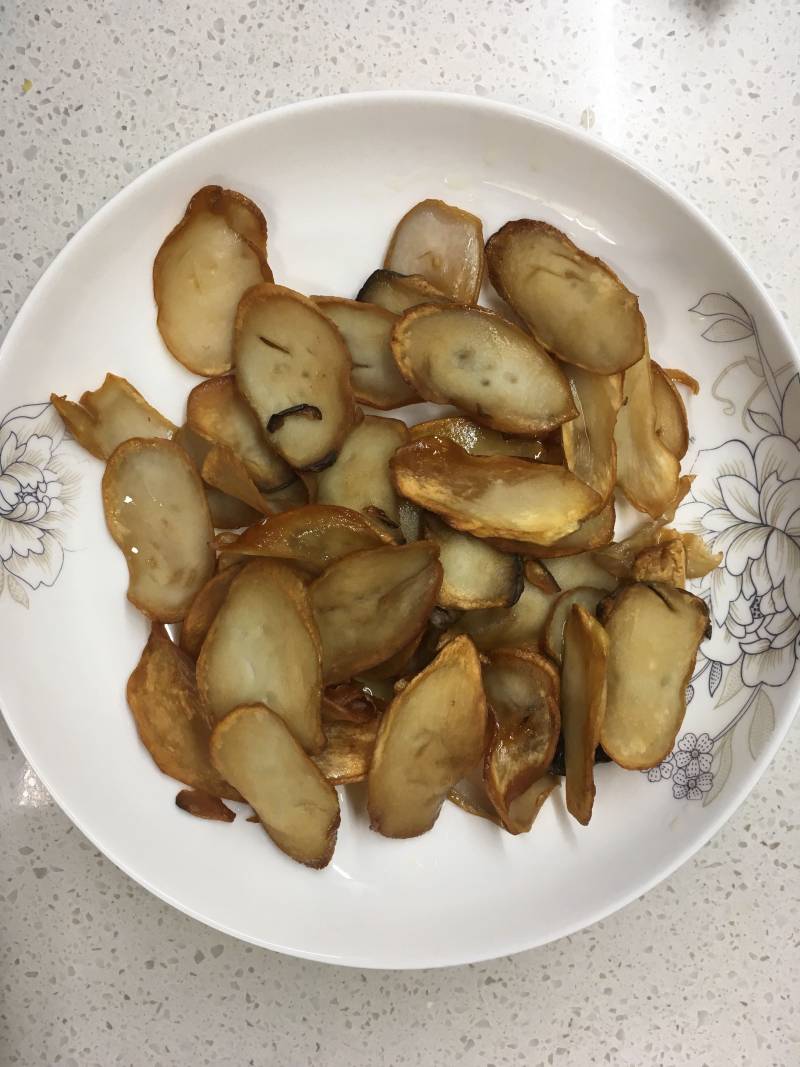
{"points": [[225, 471], [399, 292], [672, 424], [205, 265], [553, 637], [594, 532], [662, 563], [227, 512], [481, 441], [475, 575], [588, 440], [203, 610], [253, 748], [203, 805], [569, 572], [519, 626], [348, 750], [348, 702]]}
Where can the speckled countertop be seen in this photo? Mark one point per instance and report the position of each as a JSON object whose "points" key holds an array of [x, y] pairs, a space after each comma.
{"points": [[706, 968]]}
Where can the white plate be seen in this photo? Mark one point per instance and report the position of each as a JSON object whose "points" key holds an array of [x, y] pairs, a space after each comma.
{"points": [[332, 177]]}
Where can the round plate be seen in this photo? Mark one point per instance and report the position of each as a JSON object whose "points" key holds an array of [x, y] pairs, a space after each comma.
{"points": [[333, 176]]}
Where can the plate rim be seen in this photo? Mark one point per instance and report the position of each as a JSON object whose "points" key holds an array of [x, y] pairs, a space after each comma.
{"points": [[733, 800]]}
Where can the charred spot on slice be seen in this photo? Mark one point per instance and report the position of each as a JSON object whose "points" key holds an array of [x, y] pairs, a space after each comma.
{"points": [[274, 344], [322, 464], [277, 420]]}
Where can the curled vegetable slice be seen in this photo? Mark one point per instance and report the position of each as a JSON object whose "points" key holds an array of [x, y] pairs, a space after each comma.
{"points": [[522, 624], [588, 440], [442, 243], [594, 532], [662, 563], [227, 512], [672, 424], [569, 572], [348, 750], [350, 702], [203, 805], [225, 471], [475, 574], [522, 810], [204, 608], [398, 292], [587, 597], [481, 441]]}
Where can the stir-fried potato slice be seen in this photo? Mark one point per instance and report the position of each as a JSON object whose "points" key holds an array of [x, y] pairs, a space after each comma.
{"points": [[360, 478], [109, 415], [223, 470], [487, 367], [537, 574], [662, 563], [170, 717], [367, 332], [263, 647], [370, 604], [588, 440], [293, 368], [400, 663], [587, 597], [203, 610], [574, 304], [520, 625], [672, 424], [156, 511], [654, 633], [481, 441], [442, 243], [203, 805], [297, 807], [492, 496], [596, 531], [200, 274], [348, 751], [570, 572], [399, 292], [522, 810], [680, 377], [470, 795], [475, 574], [699, 560], [583, 706], [350, 702], [431, 736], [216, 411], [227, 512]]}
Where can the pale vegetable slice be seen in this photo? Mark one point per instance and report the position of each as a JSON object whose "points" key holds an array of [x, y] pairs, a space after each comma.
{"points": [[156, 511], [583, 706], [594, 532], [398, 292], [654, 633], [475, 574], [672, 424], [263, 647], [216, 411], [367, 331], [200, 274], [109, 415], [481, 441], [476, 360], [617, 557], [204, 610], [396, 665], [700, 561], [588, 440], [203, 805], [297, 807], [442, 243], [584, 595], [520, 625], [293, 368], [223, 470], [359, 478], [170, 717], [313, 536], [470, 795], [662, 563], [522, 811], [370, 604], [431, 736], [227, 512], [647, 472], [348, 751], [581, 569], [574, 304], [492, 496]]}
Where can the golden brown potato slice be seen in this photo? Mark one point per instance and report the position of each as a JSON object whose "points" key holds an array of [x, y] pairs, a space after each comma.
{"points": [[662, 563], [367, 331], [293, 368], [654, 632], [109, 415], [156, 511], [647, 472], [216, 411], [203, 610], [350, 702], [263, 647], [617, 557], [223, 470], [398, 292], [475, 574], [170, 717], [348, 751], [359, 478], [672, 425], [297, 807], [537, 574], [474, 359], [203, 805], [574, 304], [470, 795], [492, 496], [588, 440], [481, 441], [680, 377], [596, 531], [570, 572], [370, 604], [522, 810], [583, 706], [442, 243], [520, 625], [431, 736], [227, 512], [587, 597], [200, 274], [313, 536], [699, 560]]}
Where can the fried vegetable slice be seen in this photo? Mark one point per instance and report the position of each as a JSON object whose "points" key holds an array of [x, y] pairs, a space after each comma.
{"points": [[170, 717], [522, 810], [442, 243], [588, 440], [596, 531], [370, 604], [647, 472], [201, 271], [431, 736], [475, 574], [350, 702], [699, 560], [348, 751], [492, 496], [672, 424], [245, 656], [398, 664], [203, 805], [520, 625], [481, 441], [297, 807], [680, 377], [156, 511], [617, 558], [570, 572], [216, 411], [223, 470], [398, 292], [662, 563], [474, 359], [367, 331], [537, 574], [360, 479], [109, 415], [574, 304], [227, 512], [293, 368], [203, 610], [587, 597], [654, 633], [470, 795]]}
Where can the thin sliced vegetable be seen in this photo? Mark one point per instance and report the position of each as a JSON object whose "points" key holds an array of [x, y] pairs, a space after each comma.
{"points": [[596, 531], [700, 561], [672, 425], [475, 574], [203, 805], [223, 470], [350, 702], [227, 512], [588, 440], [520, 625], [617, 557], [442, 243], [203, 610], [348, 751], [537, 574], [662, 563], [581, 569], [398, 292], [396, 665], [522, 811], [680, 377], [480, 441], [587, 597]]}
